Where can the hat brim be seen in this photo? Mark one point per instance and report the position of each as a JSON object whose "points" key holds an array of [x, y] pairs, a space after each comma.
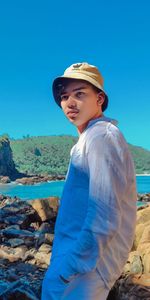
{"points": [[77, 76]]}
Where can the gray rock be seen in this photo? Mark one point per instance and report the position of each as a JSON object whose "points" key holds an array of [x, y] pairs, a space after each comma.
{"points": [[45, 248], [45, 227], [15, 233], [136, 266], [15, 242]]}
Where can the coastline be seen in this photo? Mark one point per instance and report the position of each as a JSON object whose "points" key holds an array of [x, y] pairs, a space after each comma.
{"points": [[142, 174]]}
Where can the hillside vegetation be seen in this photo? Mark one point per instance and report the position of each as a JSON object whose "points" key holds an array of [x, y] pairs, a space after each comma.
{"points": [[43, 155], [141, 158], [50, 155]]}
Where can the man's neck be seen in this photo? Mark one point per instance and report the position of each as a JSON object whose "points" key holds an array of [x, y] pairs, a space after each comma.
{"points": [[82, 127]]}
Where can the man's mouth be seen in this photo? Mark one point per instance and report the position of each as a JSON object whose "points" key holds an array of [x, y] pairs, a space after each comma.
{"points": [[72, 113]]}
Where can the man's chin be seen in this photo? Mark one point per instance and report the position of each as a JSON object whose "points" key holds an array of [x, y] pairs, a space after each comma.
{"points": [[73, 121]]}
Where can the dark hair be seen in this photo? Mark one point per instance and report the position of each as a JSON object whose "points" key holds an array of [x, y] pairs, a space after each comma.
{"points": [[65, 81]]}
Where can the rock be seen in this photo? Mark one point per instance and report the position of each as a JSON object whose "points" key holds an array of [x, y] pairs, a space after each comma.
{"points": [[22, 214], [133, 287], [32, 223], [30, 180], [135, 281], [30, 254], [15, 242], [4, 179], [12, 254], [143, 280], [138, 234], [42, 259], [16, 233], [18, 290], [34, 179], [49, 237], [144, 243], [26, 249], [46, 238], [146, 234], [4, 200], [146, 261], [134, 263], [20, 280], [7, 166], [45, 248], [143, 215], [144, 197], [45, 227], [3, 288], [46, 208]]}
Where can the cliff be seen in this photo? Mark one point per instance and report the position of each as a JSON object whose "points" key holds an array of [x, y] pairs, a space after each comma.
{"points": [[7, 166]]}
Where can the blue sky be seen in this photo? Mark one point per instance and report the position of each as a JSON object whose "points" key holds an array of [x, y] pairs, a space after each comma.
{"points": [[39, 39]]}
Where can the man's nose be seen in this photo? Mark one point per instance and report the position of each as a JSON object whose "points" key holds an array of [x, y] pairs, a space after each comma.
{"points": [[71, 102]]}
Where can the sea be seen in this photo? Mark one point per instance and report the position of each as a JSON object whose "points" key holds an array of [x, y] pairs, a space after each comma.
{"points": [[54, 188]]}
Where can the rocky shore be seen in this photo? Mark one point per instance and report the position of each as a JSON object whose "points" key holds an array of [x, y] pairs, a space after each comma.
{"points": [[143, 197], [31, 180], [26, 238]]}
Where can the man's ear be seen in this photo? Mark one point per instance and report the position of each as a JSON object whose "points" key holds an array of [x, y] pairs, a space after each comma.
{"points": [[100, 98]]}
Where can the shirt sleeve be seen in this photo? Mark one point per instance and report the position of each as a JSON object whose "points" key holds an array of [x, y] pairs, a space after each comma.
{"points": [[105, 161]]}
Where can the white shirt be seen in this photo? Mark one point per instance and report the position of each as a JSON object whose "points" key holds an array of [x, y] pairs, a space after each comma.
{"points": [[97, 214]]}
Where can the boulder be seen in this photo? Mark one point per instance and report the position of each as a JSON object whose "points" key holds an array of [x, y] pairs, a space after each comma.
{"points": [[20, 281], [34, 179], [146, 261], [134, 264], [139, 232], [25, 250], [143, 215], [133, 287], [12, 254], [144, 197], [46, 208], [144, 243], [7, 165], [4, 179], [21, 214]]}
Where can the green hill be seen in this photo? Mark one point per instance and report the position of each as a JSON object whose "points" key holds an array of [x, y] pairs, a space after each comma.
{"points": [[50, 155], [141, 159], [43, 155]]}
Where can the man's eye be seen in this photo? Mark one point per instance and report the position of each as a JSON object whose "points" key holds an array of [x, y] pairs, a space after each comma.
{"points": [[64, 97], [80, 94]]}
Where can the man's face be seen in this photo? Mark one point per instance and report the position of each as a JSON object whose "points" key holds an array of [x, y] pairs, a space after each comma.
{"points": [[81, 103]]}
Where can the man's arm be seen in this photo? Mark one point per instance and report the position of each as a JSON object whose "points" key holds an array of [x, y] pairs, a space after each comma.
{"points": [[107, 184]]}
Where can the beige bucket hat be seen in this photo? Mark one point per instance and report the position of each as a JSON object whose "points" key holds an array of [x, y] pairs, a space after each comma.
{"points": [[81, 71]]}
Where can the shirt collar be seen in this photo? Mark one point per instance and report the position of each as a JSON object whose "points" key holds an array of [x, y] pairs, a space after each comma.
{"points": [[103, 118]]}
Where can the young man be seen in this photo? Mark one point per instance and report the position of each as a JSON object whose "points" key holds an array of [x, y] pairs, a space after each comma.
{"points": [[96, 219]]}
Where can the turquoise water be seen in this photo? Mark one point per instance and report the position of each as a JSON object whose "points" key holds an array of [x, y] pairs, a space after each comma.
{"points": [[43, 190], [143, 184], [26, 192]]}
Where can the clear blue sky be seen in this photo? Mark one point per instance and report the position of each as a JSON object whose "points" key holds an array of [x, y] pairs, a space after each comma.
{"points": [[39, 39]]}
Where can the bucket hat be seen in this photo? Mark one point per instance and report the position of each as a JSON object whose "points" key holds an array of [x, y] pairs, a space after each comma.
{"points": [[80, 71]]}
